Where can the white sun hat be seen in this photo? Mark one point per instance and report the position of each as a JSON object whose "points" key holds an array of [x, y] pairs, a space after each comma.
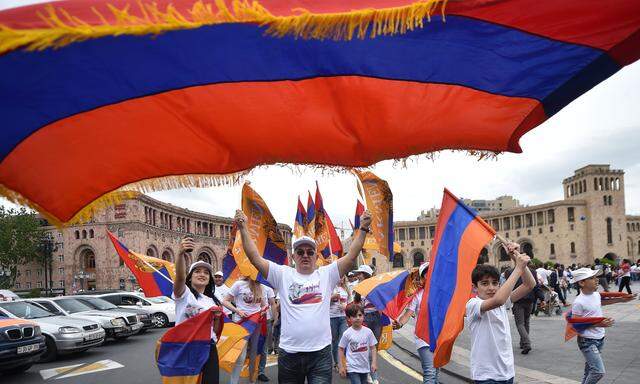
{"points": [[304, 240], [201, 263], [584, 273]]}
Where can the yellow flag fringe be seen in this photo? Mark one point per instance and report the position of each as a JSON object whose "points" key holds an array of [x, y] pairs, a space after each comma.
{"points": [[65, 29]]}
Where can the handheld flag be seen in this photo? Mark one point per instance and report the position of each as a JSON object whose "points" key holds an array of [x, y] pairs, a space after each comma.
{"points": [[184, 349], [301, 219], [264, 232], [230, 268], [576, 325], [390, 292], [321, 233], [460, 235], [311, 218], [380, 204], [155, 276]]}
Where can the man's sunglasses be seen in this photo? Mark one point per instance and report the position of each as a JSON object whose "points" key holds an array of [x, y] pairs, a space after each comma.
{"points": [[309, 252]]}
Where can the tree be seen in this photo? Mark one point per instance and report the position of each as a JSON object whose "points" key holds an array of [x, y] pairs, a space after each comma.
{"points": [[21, 237]]}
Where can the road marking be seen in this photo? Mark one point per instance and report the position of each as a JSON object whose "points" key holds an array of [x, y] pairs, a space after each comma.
{"points": [[79, 369], [400, 365]]}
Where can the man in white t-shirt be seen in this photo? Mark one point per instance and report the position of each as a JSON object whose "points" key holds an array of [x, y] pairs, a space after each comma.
{"points": [[221, 290], [491, 349], [304, 292], [543, 275]]}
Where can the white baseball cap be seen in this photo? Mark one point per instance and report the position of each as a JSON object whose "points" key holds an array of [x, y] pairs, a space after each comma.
{"points": [[584, 273], [423, 266], [219, 273], [304, 240], [201, 263], [365, 269]]}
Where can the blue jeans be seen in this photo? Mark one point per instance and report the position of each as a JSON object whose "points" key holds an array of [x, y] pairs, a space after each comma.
{"points": [[429, 372], [338, 326], [263, 353], [372, 321], [357, 378], [315, 367], [594, 366], [510, 381]]}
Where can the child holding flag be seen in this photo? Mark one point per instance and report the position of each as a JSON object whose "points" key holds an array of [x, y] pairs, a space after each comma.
{"points": [[359, 342], [588, 305], [491, 350]]}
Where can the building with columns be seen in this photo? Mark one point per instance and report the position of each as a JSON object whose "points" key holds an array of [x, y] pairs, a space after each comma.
{"points": [[84, 257], [589, 222]]}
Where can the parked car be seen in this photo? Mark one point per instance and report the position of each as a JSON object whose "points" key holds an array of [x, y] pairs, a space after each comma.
{"points": [[144, 315], [117, 325], [63, 334], [21, 344], [164, 312], [7, 295]]}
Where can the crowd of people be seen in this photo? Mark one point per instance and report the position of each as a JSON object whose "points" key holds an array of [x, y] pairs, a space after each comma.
{"points": [[314, 337]]}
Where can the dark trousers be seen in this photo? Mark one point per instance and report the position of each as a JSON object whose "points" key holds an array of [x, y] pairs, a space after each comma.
{"points": [[625, 281], [315, 367], [561, 296], [522, 315], [211, 371], [510, 381]]}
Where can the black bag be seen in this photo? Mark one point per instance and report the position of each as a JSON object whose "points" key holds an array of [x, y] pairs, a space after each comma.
{"points": [[553, 279]]}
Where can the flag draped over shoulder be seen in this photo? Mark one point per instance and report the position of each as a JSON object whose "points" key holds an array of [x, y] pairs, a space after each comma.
{"points": [[300, 223], [460, 235], [263, 229], [184, 349], [380, 204], [155, 276], [390, 292]]}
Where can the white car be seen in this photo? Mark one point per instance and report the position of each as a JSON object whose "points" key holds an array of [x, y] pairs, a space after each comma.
{"points": [[162, 307]]}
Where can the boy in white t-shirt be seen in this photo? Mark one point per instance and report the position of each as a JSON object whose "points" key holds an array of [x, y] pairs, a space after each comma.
{"points": [[359, 343], [491, 350], [589, 304]]}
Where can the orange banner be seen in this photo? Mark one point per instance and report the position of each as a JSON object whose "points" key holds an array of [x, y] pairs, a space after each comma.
{"points": [[380, 205]]}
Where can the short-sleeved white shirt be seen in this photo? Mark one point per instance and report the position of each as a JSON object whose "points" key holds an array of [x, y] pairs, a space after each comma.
{"points": [[243, 297], [336, 309], [187, 306], [589, 306], [304, 306], [221, 294], [491, 350], [357, 344], [269, 294], [415, 307]]}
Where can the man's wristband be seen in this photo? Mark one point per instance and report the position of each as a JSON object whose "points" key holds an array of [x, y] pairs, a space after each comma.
{"points": [[365, 229]]}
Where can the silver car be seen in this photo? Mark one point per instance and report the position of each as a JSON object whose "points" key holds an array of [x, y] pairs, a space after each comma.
{"points": [[63, 334], [117, 325]]}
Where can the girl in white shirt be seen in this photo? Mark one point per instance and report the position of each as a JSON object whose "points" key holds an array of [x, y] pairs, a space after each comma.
{"points": [[194, 293], [249, 298]]}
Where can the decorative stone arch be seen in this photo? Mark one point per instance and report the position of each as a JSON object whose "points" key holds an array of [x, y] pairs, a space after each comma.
{"points": [[611, 256], [82, 255], [527, 246], [167, 254], [398, 260], [418, 256], [500, 254], [152, 251], [84, 260], [483, 258], [207, 254]]}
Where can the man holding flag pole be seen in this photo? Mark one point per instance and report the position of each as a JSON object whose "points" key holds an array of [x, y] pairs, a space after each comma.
{"points": [[305, 341]]}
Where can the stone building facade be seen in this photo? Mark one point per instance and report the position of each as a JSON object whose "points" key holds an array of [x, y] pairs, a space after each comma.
{"points": [[588, 223], [84, 257]]}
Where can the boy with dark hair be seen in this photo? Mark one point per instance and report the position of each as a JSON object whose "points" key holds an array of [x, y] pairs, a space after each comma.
{"points": [[491, 350], [589, 304], [359, 342]]}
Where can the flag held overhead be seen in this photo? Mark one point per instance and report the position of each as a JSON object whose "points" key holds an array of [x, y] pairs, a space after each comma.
{"points": [[460, 235]]}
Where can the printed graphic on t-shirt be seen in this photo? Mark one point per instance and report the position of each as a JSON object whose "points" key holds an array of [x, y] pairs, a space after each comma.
{"points": [[308, 293], [355, 346], [248, 298], [191, 311]]}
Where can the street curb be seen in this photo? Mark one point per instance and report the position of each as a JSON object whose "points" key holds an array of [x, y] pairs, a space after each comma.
{"points": [[445, 370]]}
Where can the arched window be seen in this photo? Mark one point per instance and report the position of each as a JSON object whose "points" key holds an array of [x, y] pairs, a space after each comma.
{"points": [[609, 231], [91, 233], [584, 185], [418, 259], [398, 261], [600, 184], [595, 183], [610, 200], [552, 249], [204, 256], [573, 247], [504, 256], [166, 255], [484, 256], [638, 247], [604, 200], [77, 235], [84, 234], [89, 260], [527, 249], [606, 184], [151, 251]]}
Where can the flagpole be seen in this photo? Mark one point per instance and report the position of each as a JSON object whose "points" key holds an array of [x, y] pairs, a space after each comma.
{"points": [[152, 267]]}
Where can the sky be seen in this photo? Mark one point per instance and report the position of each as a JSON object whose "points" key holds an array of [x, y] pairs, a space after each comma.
{"points": [[600, 127]]}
